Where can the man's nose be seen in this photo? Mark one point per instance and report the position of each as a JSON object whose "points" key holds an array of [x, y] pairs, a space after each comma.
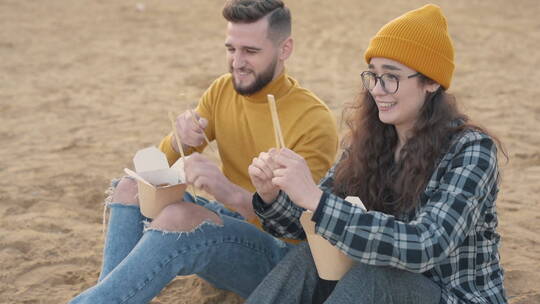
{"points": [[238, 61]]}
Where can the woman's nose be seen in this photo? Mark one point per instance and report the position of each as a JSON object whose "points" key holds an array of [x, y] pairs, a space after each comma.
{"points": [[378, 89]]}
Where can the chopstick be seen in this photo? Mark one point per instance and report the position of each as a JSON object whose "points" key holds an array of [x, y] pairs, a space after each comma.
{"points": [[198, 125], [178, 142], [280, 143], [136, 176], [172, 119]]}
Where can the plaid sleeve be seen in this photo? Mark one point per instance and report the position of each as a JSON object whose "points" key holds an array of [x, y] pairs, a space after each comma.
{"points": [[281, 218], [439, 226]]}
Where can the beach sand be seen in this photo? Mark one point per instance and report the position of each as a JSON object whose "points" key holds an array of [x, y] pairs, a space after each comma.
{"points": [[84, 84]]}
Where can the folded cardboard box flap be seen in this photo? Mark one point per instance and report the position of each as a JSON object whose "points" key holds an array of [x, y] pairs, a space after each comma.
{"points": [[152, 165], [161, 177], [158, 184], [150, 159]]}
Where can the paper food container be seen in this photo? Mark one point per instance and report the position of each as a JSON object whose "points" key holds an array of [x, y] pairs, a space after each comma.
{"points": [[331, 262], [158, 184]]}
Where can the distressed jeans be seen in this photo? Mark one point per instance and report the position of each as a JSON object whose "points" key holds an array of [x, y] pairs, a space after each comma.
{"points": [[138, 263]]}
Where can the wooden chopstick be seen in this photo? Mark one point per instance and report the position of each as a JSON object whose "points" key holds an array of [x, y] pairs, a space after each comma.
{"points": [[172, 119], [178, 142], [199, 125], [280, 143], [136, 176]]}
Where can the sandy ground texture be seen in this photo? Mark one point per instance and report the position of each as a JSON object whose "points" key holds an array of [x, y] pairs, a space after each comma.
{"points": [[84, 84]]}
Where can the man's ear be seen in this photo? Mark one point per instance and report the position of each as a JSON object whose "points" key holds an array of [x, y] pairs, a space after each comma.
{"points": [[286, 49]]}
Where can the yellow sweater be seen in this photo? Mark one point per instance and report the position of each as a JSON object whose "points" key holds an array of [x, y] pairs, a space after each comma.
{"points": [[242, 127]]}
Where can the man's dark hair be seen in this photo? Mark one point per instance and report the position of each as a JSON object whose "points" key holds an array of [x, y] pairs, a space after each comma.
{"points": [[248, 11]]}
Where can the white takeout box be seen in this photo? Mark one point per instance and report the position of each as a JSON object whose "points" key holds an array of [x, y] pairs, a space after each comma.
{"points": [[158, 184], [331, 263]]}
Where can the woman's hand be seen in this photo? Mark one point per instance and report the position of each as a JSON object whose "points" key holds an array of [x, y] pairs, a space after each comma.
{"points": [[292, 175], [261, 174]]}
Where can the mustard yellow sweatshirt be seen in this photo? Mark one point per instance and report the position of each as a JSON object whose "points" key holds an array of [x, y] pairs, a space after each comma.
{"points": [[242, 127]]}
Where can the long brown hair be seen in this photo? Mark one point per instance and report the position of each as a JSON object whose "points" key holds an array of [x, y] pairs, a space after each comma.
{"points": [[368, 169]]}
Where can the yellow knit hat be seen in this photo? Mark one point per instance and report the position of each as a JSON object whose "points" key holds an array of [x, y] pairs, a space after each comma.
{"points": [[418, 39]]}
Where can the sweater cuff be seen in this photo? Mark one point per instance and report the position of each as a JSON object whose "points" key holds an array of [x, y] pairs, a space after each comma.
{"points": [[166, 147]]}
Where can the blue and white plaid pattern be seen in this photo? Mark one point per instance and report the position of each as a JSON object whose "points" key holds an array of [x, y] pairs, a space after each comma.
{"points": [[450, 237]]}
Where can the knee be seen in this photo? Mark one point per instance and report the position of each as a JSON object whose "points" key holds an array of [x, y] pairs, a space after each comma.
{"points": [[183, 217], [126, 192]]}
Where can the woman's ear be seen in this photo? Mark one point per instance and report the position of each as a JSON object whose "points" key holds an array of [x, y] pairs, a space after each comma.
{"points": [[432, 87]]}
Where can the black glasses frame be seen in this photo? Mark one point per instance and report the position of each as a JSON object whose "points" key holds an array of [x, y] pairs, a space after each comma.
{"points": [[379, 78]]}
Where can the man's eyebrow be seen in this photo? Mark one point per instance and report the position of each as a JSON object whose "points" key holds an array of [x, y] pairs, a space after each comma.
{"points": [[254, 48]]}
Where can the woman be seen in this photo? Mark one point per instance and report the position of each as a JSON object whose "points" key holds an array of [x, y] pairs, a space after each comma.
{"points": [[427, 176]]}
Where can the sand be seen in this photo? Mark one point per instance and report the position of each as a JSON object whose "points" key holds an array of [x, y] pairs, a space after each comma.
{"points": [[84, 84]]}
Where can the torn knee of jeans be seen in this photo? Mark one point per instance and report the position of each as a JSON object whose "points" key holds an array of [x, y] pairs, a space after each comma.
{"points": [[110, 190], [201, 226]]}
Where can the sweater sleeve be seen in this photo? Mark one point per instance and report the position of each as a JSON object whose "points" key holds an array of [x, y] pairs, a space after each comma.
{"points": [[205, 109], [319, 142]]}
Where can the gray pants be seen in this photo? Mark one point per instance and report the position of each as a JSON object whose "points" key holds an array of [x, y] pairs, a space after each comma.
{"points": [[293, 281]]}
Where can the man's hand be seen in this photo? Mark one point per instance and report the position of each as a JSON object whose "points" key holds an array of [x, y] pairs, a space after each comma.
{"points": [[190, 127], [205, 174], [261, 174]]}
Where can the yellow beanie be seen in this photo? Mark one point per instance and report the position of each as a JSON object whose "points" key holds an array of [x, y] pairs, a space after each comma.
{"points": [[418, 39]]}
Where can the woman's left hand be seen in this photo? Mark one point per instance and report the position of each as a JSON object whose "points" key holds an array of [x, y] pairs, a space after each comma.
{"points": [[294, 178]]}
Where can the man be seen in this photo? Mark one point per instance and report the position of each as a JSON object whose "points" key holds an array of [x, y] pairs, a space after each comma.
{"points": [[218, 241]]}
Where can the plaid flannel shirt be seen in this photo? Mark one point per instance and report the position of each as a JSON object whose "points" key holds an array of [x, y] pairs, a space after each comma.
{"points": [[450, 237]]}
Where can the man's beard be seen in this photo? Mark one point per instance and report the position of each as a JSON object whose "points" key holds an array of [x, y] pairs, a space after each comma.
{"points": [[261, 80]]}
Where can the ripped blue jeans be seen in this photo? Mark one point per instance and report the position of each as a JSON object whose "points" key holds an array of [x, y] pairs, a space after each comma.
{"points": [[138, 263]]}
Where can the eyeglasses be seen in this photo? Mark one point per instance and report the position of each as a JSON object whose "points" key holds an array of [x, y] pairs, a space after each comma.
{"points": [[389, 82]]}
